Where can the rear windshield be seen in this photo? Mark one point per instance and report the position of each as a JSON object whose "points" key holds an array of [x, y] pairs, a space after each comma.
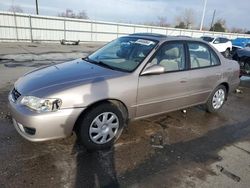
{"points": [[208, 39]]}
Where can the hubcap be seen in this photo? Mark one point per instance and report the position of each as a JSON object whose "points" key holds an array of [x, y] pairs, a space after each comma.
{"points": [[104, 128], [218, 99]]}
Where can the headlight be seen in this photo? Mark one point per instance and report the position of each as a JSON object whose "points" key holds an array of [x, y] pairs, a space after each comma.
{"points": [[41, 105]]}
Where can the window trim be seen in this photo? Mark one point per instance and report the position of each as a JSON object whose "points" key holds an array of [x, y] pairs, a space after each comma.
{"points": [[159, 48], [210, 52]]}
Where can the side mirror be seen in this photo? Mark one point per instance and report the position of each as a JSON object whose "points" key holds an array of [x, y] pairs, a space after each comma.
{"points": [[154, 69]]}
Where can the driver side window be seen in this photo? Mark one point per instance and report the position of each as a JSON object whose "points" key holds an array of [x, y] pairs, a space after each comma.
{"points": [[171, 56]]}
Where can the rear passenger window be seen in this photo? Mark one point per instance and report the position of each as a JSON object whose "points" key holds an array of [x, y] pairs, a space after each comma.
{"points": [[201, 56], [171, 56], [214, 59]]}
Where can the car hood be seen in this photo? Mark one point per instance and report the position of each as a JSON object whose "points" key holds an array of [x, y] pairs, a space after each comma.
{"points": [[63, 74], [244, 52]]}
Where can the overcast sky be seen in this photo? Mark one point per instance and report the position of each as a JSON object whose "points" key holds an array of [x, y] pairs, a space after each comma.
{"points": [[236, 13]]}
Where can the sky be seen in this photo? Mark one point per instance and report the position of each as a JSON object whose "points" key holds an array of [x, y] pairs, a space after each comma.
{"points": [[236, 13]]}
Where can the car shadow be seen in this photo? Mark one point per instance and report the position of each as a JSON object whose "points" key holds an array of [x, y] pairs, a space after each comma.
{"points": [[94, 168]]}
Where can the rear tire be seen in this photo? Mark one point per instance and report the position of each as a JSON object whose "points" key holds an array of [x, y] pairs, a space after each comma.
{"points": [[101, 126], [217, 99]]}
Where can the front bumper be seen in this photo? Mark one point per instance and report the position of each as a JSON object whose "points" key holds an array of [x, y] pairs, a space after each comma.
{"points": [[43, 126]]}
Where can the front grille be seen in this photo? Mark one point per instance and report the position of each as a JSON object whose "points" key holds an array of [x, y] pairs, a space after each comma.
{"points": [[15, 94]]}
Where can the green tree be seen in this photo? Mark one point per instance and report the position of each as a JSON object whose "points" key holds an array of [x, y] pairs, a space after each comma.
{"points": [[219, 26], [181, 25]]}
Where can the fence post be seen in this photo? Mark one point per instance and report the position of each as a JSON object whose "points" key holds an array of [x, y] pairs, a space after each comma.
{"points": [[31, 35], [14, 14], [117, 31], [64, 28], [91, 30]]}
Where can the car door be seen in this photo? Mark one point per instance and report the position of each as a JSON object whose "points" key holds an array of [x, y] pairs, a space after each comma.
{"points": [[167, 91], [204, 72]]}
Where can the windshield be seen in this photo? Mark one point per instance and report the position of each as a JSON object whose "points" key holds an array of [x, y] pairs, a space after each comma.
{"points": [[123, 54], [208, 39]]}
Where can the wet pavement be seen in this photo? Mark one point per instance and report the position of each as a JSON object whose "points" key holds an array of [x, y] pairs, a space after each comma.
{"points": [[192, 149]]}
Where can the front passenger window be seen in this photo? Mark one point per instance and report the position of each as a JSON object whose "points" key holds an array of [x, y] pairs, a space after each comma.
{"points": [[171, 56]]}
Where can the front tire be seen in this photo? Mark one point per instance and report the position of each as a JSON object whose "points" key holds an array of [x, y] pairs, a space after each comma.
{"points": [[247, 68], [227, 53], [101, 126], [217, 99]]}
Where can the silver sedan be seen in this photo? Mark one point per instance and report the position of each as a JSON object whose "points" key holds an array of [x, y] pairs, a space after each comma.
{"points": [[132, 77]]}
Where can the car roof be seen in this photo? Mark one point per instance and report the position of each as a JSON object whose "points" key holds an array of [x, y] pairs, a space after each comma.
{"points": [[150, 36], [215, 36], [208, 36], [161, 37]]}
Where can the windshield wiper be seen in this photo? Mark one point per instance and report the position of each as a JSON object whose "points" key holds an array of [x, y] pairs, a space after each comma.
{"points": [[98, 63], [88, 60], [105, 65]]}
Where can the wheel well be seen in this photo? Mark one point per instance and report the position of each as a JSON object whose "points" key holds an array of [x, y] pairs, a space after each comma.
{"points": [[117, 103], [225, 84]]}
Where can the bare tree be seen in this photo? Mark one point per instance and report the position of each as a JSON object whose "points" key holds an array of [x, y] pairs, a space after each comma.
{"points": [[189, 18], [162, 21], [15, 8], [70, 14], [238, 30], [82, 15], [186, 19]]}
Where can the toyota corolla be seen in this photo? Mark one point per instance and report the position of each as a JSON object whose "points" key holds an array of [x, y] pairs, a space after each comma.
{"points": [[130, 78]]}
